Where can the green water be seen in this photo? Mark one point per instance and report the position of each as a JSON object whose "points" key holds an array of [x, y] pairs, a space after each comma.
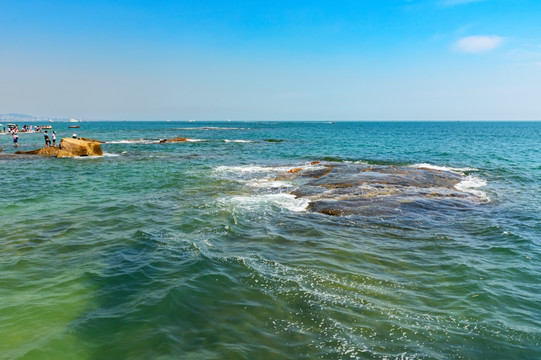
{"points": [[193, 250]]}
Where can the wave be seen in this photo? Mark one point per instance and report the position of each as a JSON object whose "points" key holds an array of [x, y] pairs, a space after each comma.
{"points": [[269, 184], [443, 168], [253, 169], [471, 184], [253, 202], [238, 141], [211, 128], [134, 141], [246, 169]]}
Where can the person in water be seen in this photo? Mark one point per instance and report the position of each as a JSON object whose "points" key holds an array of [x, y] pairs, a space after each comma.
{"points": [[15, 139], [54, 138], [47, 139]]}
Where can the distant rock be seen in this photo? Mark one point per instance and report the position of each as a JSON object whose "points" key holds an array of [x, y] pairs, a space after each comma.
{"points": [[92, 140], [173, 140]]}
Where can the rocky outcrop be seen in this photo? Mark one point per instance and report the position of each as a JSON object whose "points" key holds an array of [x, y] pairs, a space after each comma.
{"points": [[0, 149], [68, 148], [75, 147], [173, 140], [46, 151], [92, 140]]}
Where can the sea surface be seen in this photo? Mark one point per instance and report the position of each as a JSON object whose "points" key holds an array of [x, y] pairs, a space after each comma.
{"points": [[265, 240]]}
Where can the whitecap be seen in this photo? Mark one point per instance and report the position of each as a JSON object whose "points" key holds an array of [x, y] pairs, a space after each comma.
{"points": [[266, 169], [443, 168], [211, 128], [470, 184], [238, 141], [252, 169], [286, 201], [137, 141], [268, 184]]}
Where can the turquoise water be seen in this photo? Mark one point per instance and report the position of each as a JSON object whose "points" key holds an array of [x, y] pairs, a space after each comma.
{"points": [[198, 250]]}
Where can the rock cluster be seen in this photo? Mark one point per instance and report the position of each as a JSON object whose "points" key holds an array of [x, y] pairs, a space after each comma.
{"points": [[68, 148], [358, 189]]}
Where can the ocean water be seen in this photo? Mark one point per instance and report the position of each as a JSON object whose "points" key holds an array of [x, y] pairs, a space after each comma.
{"points": [[207, 249]]}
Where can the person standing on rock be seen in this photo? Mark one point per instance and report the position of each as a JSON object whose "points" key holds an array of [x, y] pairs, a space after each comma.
{"points": [[54, 138], [15, 139], [47, 139]]}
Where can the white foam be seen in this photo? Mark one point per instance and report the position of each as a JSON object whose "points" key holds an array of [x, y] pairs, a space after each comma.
{"points": [[286, 201], [253, 169], [265, 169], [268, 184], [470, 184], [83, 157], [138, 141], [238, 141], [195, 140], [442, 168], [210, 128]]}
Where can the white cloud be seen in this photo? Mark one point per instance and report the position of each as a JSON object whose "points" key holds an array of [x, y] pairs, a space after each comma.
{"points": [[478, 43]]}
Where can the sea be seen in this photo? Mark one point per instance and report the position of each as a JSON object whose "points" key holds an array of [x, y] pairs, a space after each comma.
{"points": [[274, 240]]}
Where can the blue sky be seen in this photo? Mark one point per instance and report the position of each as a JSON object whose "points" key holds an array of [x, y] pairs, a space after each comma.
{"points": [[272, 60]]}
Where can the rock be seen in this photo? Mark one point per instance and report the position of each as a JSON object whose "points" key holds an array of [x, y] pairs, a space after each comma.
{"points": [[92, 140], [75, 147], [356, 189], [46, 151], [0, 149], [173, 140], [293, 171], [68, 148]]}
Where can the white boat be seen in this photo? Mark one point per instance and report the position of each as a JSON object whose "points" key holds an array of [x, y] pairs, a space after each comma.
{"points": [[73, 120]]}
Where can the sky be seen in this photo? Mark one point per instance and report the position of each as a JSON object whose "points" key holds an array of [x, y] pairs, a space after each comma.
{"points": [[272, 60]]}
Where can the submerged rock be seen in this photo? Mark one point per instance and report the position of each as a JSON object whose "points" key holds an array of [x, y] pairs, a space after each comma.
{"points": [[350, 189], [338, 188]]}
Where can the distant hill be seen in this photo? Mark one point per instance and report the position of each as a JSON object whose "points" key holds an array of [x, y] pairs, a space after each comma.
{"points": [[14, 117]]}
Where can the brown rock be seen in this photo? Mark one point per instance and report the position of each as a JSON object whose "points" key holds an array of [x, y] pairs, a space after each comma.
{"points": [[293, 171], [314, 163], [92, 140], [0, 149], [173, 140], [64, 153], [46, 151], [74, 147]]}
